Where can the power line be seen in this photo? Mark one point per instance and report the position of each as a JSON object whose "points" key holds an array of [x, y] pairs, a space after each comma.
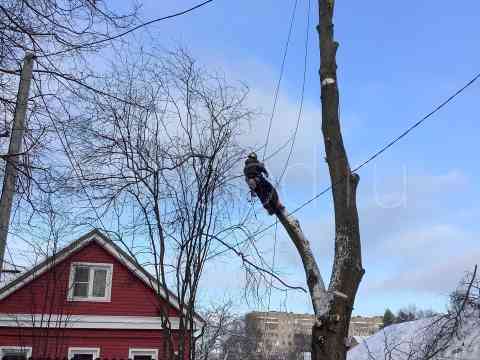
{"points": [[395, 140], [302, 96], [271, 277], [291, 147], [275, 241], [282, 68], [369, 159], [183, 12]]}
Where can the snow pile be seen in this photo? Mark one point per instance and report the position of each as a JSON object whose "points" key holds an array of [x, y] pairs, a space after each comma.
{"points": [[411, 340]]}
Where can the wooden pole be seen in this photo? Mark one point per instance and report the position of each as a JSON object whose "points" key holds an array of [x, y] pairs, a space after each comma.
{"points": [[12, 158]]}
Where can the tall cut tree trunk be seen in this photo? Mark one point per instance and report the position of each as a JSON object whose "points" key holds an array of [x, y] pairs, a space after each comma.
{"points": [[332, 306], [329, 337]]}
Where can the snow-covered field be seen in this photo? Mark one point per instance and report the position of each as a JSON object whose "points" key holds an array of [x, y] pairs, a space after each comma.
{"points": [[407, 341]]}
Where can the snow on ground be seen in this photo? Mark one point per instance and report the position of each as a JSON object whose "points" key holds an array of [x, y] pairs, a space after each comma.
{"points": [[404, 342]]}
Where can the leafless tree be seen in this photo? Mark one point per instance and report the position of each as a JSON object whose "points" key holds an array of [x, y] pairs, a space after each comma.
{"points": [[433, 338], [155, 164], [44, 323], [153, 142], [243, 342], [444, 329], [63, 36], [333, 305], [220, 325], [162, 169], [71, 41]]}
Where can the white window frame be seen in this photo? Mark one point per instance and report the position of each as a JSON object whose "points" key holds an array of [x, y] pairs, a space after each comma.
{"points": [[92, 267], [81, 350], [135, 351], [28, 349]]}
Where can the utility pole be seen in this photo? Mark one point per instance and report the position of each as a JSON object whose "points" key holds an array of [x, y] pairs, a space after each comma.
{"points": [[11, 159]]}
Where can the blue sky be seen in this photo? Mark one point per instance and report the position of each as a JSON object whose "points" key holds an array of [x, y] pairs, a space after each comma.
{"points": [[396, 62]]}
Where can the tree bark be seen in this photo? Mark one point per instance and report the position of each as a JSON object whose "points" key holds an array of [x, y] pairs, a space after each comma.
{"points": [[316, 285], [330, 335]]}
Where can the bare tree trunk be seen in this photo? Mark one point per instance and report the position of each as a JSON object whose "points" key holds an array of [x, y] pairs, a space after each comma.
{"points": [[332, 307], [329, 337], [14, 149]]}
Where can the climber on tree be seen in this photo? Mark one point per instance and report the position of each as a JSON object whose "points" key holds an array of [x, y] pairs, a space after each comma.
{"points": [[254, 171]]}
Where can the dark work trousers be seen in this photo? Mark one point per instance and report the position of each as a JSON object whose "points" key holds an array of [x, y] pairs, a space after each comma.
{"points": [[267, 194]]}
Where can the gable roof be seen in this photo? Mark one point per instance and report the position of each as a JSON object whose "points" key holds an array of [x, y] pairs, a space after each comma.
{"points": [[113, 249]]}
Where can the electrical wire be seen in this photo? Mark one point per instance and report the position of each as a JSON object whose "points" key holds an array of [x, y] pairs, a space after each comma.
{"points": [[275, 240], [369, 159], [282, 68], [302, 96], [183, 12], [291, 147], [395, 140]]}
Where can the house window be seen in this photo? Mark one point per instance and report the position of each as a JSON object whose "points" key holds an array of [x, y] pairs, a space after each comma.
{"points": [[143, 354], [15, 353], [75, 353], [90, 282]]}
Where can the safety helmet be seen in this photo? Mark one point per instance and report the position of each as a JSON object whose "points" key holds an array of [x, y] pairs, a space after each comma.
{"points": [[252, 156]]}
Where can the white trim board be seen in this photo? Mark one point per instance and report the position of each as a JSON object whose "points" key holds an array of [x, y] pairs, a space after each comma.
{"points": [[135, 351], [27, 349], [85, 321], [95, 352]]}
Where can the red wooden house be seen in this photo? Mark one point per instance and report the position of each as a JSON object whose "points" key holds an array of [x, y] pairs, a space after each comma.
{"points": [[91, 300]]}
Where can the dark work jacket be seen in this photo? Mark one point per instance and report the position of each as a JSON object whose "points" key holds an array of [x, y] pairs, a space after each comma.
{"points": [[254, 168]]}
